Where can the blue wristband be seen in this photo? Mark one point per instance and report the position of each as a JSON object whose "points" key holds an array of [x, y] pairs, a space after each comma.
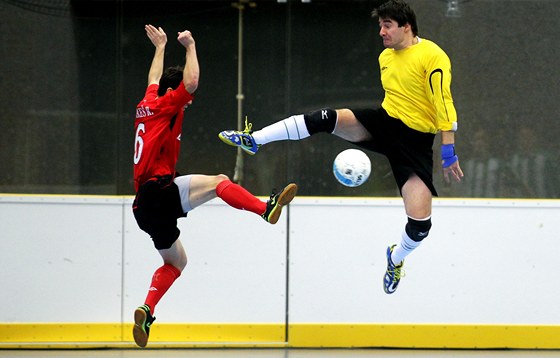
{"points": [[448, 155]]}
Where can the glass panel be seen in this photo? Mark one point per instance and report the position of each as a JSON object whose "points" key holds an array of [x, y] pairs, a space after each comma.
{"points": [[73, 72]]}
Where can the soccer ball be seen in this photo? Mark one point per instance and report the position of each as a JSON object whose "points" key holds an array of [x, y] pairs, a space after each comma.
{"points": [[351, 167]]}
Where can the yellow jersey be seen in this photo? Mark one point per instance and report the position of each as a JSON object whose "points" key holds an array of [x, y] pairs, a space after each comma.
{"points": [[417, 84]]}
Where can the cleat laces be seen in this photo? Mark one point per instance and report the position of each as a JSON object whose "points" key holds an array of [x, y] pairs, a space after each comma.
{"points": [[248, 126]]}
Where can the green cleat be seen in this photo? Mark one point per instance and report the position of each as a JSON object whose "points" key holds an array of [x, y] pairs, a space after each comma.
{"points": [[142, 322], [277, 201]]}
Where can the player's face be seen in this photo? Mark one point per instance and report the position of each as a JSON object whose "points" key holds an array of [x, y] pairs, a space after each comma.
{"points": [[393, 35]]}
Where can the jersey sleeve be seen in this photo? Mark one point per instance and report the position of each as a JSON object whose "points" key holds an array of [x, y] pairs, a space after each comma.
{"points": [[151, 92], [179, 97], [438, 90]]}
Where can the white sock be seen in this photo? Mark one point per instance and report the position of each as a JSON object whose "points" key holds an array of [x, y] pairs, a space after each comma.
{"points": [[292, 128], [405, 247]]}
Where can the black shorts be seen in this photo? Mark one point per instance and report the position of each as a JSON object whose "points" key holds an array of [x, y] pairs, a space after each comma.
{"points": [[409, 151], [156, 207]]}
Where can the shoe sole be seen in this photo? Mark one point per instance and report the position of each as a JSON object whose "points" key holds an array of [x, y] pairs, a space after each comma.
{"points": [[285, 198], [140, 336], [228, 142], [389, 289]]}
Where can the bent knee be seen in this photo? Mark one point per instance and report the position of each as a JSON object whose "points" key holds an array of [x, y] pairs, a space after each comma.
{"points": [[221, 177], [344, 114], [418, 230], [182, 263], [349, 128], [178, 262], [220, 183]]}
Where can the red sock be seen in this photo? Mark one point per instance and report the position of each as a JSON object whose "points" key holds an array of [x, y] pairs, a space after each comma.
{"points": [[238, 197], [162, 279]]}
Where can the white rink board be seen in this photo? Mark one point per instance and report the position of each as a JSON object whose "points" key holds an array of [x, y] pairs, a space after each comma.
{"points": [[70, 258], [61, 259], [485, 261], [236, 269]]}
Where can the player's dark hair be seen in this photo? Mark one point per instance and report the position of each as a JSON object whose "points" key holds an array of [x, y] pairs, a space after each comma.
{"points": [[171, 78], [398, 11]]}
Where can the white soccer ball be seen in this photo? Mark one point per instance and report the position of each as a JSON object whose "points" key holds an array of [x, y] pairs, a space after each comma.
{"points": [[351, 167]]}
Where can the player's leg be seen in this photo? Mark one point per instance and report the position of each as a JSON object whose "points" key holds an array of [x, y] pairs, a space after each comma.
{"points": [[418, 206], [156, 209], [198, 189], [417, 199], [349, 128], [174, 261], [240, 198], [340, 122]]}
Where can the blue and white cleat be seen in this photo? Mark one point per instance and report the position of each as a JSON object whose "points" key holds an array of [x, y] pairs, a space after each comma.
{"points": [[393, 274], [242, 139]]}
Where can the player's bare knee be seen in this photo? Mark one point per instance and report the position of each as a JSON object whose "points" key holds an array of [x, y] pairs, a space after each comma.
{"points": [[344, 113], [217, 184], [323, 120], [418, 230], [179, 262], [182, 263], [221, 177]]}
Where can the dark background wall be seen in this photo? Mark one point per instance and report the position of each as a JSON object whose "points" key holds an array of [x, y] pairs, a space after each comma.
{"points": [[72, 72]]}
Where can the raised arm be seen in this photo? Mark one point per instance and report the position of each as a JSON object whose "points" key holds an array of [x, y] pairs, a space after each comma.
{"points": [[159, 40], [191, 72]]}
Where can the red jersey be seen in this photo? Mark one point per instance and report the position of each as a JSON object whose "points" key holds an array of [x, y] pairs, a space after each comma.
{"points": [[158, 125]]}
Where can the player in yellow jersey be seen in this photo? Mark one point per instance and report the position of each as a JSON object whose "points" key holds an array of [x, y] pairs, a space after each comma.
{"points": [[416, 77]]}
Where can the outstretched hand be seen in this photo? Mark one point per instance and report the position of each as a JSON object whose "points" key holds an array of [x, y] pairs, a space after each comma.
{"points": [[156, 35], [185, 38], [455, 171]]}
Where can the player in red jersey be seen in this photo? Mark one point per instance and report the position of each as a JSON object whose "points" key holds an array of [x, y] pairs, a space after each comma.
{"points": [[163, 196]]}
